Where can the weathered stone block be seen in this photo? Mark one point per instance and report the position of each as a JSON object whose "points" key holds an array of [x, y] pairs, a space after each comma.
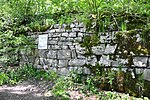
{"points": [[148, 62], [67, 43], [43, 53], [42, 61], [56, 34], [60, 30], [64, 54], [63, 71], [50, 34], [92, 61], [110, 49], [71, 47], [52, 31], [63, 63], [147, 74], [81, 25], [62, 39], [86, 70], [72, 25], [52, 62], [78, 39], [69, 39], [56, 26], [77, 62], [140, 61], [82, 29], [52, 42], [52, 54], [55, 47], [98, 50], [73, 54], [102, 39], [60, 43], [75, 29], [65, 34], [55, 39], [72, 34], [37, 61], [104, 60], [119, 62], [64, 47], [80, 34], [80, 56], [80, 50]]}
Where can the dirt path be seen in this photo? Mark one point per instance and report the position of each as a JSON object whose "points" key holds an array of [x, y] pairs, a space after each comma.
{"points": [[28, 90]]}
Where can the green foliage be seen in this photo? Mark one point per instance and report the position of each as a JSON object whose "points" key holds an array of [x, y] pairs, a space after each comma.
{"points": [[62, 84], [13, 76], [3, 78]]}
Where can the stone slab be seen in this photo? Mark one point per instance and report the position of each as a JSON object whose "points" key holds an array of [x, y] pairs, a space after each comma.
{"points": [[62, 63], [140, 61], [52, 54], [77, 62], [147, 74], [64, 54], [104, 60], [98, 50], [110, 49]]}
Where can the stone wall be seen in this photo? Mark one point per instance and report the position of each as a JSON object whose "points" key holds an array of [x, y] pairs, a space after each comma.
{"points": [[64, 52]]}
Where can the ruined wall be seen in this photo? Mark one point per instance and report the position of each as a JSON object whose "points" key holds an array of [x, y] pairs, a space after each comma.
{"points": [[64, 52]]}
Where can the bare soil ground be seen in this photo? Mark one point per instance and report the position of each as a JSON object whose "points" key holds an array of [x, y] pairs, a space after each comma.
{"points": [[28, 90], [35, 90]]}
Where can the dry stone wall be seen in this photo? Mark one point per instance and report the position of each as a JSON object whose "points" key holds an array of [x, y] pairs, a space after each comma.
{"points": [[64, 52]]}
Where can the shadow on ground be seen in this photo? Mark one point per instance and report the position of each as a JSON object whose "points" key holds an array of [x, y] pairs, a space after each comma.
{"points": [[12, 96]]}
